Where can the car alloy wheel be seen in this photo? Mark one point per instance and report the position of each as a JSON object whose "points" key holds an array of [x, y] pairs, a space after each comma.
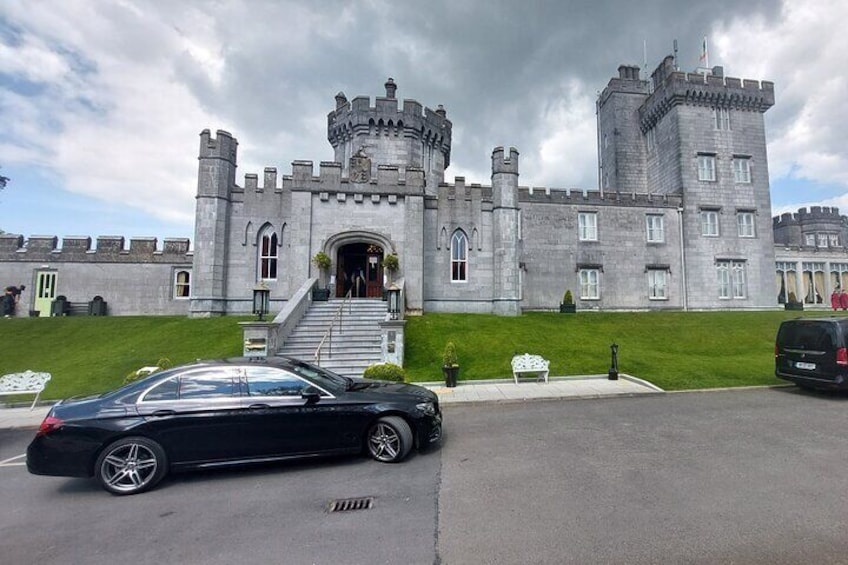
{"points": [[389, 439], [131, 465]]}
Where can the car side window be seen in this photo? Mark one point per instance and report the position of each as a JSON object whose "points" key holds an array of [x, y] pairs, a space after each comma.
{"points": [[269, 381], [206, 384], [166, 390]]}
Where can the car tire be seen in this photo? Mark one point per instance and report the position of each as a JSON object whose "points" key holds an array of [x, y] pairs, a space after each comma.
{"points": [[131, 465], [389, 439]]}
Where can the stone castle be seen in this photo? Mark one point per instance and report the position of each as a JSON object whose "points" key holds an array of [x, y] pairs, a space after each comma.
{"points": [[681, 219]]}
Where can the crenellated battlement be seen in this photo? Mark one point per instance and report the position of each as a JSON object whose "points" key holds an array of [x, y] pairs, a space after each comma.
{"points": [[357, 118], [223, 146], [815, 214], [501, 163], [597, 197], [710, 88], [45, 248]]}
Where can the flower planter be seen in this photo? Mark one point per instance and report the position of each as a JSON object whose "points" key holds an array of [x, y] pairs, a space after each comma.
{"points": [[567, 308], [320, 294], [451, 374], [793, 306]]}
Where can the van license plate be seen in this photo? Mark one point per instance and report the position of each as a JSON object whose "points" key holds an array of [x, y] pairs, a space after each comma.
{"points": [[805, 366]]}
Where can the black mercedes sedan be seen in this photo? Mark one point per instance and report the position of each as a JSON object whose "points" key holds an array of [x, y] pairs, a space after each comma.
{"points": [[228, 412]]}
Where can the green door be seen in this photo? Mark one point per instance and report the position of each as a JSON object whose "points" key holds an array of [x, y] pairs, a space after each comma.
{"points": [[45, 292]]}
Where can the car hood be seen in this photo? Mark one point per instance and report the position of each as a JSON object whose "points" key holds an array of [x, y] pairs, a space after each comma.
{"points": [[392, 388]]}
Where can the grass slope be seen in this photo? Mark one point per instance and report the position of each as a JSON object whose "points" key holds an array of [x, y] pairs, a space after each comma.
{"points": [[674, 350]]}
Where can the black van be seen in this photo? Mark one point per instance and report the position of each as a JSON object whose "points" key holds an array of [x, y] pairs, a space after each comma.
{"points": [[811, 352]]}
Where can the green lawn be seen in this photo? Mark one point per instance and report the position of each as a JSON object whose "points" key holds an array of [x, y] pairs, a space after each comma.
{"points": [[674, 350]]}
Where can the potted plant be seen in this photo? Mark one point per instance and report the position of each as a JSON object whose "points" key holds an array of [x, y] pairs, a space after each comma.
{"points": [[567, 305], [391, 265], [450, 365], [323, 262], [792, 303]]}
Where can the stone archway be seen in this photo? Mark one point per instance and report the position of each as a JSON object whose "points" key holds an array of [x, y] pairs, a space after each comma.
{"points": [[358, 259]]}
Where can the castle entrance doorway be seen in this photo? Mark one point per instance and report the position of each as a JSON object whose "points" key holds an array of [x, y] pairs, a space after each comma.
{"points": [[359, 269]]}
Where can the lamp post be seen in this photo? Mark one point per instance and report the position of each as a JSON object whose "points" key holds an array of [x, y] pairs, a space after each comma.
{"points": [[261, 300], [393, 297]]}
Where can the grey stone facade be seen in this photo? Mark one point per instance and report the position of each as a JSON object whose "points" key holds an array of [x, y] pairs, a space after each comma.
{"points": [[655, 234]]}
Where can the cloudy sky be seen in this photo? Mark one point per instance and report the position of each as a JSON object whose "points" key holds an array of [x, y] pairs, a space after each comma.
{"points": [[102, 101]]}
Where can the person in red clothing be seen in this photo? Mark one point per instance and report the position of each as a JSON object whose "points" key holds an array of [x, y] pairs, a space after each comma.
{"points": [[843, 299], [835, 299]]}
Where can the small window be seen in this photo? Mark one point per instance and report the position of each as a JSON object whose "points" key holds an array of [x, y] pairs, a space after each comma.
{"points": [[589, 279], [650, 140], [834, 240], [166, 390], [657, 284], [182, 284], [656, 228], [810, 239], [268, 250], [742, 170], [731, 279], [822, 239], [745, 223], [206, 384], [588, 226], [709, 223], [459, 257], [707, 168], [721, 118], [267, 381]]}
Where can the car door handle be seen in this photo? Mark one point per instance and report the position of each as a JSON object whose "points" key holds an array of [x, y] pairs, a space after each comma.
{"points": [[259, 407], [163, 413]]}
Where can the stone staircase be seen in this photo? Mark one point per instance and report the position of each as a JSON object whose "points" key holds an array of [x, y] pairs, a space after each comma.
{"points": [[355, 345]]}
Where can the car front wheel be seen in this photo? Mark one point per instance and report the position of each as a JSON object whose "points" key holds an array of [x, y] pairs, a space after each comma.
{"points": [[131, 465], [389, 439]]}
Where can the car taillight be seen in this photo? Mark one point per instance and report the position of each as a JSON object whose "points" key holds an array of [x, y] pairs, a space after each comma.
{"points": [[842, 356], [50, 424]]}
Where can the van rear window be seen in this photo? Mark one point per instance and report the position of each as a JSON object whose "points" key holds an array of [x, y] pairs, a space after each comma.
{"points": [[811, 336]]}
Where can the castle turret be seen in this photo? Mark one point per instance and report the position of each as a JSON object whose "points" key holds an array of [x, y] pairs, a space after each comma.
{"points": [[383, 135], [506, 296], [215, 178]]}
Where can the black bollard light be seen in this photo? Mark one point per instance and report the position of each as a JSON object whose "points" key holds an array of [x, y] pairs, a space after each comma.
{"points": [[613, 372]]}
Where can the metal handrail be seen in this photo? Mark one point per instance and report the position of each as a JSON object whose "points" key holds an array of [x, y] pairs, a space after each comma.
{"points": [[328, 335]]}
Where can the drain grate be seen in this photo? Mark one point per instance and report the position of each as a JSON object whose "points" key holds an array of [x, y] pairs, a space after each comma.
{"points": [[348, 504]]}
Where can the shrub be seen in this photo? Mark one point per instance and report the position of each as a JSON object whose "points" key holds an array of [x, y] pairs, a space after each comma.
{"points": [[568, 298], [385, 372], [391, 263], [322, 260], [449, 358]]}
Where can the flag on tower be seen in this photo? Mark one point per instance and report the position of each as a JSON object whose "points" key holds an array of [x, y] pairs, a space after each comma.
{"points": [[705, 58]]}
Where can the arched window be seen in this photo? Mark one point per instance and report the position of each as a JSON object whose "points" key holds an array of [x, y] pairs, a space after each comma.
{"points": [[182, 284], [459, 257], [268, 254]]}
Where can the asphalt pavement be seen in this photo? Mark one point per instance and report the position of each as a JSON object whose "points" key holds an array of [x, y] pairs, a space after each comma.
{"points": [[500, 390]]}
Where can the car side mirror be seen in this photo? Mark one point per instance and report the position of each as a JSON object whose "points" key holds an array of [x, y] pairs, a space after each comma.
{"points": [[310, 394]]}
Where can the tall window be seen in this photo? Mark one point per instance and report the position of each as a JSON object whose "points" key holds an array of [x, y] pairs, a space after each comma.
{"points": [[588, 226], [731, 279], [742, 170], [745, 224], [813, 276], [706, 168], [459, 257], [834, 240], [657, 284], [656, 228], [268, 254], [182, 284], [589, 284], [721, 118], [651, 140], [709, 223], [822, 239]]}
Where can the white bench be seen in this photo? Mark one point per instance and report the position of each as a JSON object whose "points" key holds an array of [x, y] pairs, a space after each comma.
{"points": [[28, 382], [527, 363]]}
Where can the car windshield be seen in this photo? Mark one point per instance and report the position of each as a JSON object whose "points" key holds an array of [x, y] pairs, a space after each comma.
{"points": [[321, 377]]}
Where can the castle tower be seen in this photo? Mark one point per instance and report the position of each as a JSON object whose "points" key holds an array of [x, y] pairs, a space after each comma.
{"points": [[507, 284], [216, 175], [700, 135], [410, 137]]}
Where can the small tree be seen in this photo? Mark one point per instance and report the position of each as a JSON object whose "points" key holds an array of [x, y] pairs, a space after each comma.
{"points": [[568, 298], [449, 358]]}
